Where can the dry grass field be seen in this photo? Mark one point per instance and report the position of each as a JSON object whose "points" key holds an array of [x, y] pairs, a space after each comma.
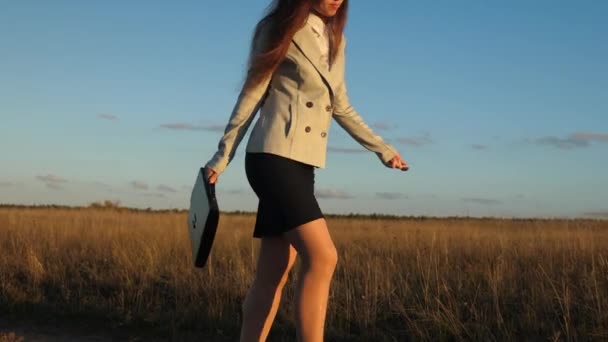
{"points": [[397, 280]]}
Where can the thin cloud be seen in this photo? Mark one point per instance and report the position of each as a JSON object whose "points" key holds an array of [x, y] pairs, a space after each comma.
{"points": [[574, 140], [107, 117], [383, 126], [479, 147], [483, 201], [389, 195], [190, 127], [54, 186], [598, 214], [166, 188], [562, 143], [332, 193], [52, 181], [139, 185], [101, 185], [416, 141], [345, 149], [153, 195], [590, 136], [6, 184], [50, 178]]}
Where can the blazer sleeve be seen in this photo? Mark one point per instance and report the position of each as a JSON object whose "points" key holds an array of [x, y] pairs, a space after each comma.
{"points": [[348, 118], [248, 103]]}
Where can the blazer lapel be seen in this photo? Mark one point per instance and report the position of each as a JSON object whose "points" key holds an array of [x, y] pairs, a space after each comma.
{"points": [[304, 39]]}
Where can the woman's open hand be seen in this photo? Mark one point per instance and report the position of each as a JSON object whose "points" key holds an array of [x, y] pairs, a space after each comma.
{"points": [[398, 163], [211, 176]]}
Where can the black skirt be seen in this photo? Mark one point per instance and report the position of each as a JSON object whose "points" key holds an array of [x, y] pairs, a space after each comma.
{"points": [[285, 189]]}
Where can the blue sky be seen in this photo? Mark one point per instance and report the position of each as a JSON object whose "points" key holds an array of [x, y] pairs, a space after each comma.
{"points": [[500, 108]]}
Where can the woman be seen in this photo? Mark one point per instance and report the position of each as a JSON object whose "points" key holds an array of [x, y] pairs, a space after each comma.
{"points": [[296, 79]]}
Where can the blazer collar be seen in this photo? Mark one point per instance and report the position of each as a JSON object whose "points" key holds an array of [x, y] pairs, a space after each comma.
{"points": [[316, 23], [304, 39]]}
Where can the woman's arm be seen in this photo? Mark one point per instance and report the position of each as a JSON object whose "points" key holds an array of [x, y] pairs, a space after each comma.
{"points": [[348, 118], [247, 104]]}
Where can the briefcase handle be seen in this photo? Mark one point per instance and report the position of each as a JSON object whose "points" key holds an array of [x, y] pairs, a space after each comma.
{"points": [[210, 188]]}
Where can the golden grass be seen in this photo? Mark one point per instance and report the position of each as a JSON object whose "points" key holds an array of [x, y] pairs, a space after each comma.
{"points": [[396, 280], [10, 337]]}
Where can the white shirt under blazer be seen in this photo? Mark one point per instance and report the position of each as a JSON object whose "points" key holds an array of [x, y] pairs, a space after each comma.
{"points": [[296, 106], [322, 33]]}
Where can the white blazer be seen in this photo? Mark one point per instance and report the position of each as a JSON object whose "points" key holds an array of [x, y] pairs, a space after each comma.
{"points": [[296, 106]]}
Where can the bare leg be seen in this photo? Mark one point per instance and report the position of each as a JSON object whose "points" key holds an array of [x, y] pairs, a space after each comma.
{"points": [[260, 307], [319, 257]]}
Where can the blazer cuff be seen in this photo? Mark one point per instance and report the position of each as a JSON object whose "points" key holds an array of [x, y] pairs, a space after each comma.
{"points": [[387, 153], [217, 164]]}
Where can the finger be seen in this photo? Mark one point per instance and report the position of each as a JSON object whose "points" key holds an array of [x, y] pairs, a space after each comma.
{"points": [[397, 160], [210, 174], [399, 163]]}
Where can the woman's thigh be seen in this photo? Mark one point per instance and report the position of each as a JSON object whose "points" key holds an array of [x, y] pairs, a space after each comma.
{"points": [[276, 257]]}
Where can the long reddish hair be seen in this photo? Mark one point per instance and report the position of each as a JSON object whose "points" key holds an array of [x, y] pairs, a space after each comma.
{"points": [[283, 19]]}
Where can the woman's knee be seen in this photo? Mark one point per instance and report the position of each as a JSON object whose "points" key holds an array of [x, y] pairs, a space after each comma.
{"points": [[314, 245], [323, 260]]}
